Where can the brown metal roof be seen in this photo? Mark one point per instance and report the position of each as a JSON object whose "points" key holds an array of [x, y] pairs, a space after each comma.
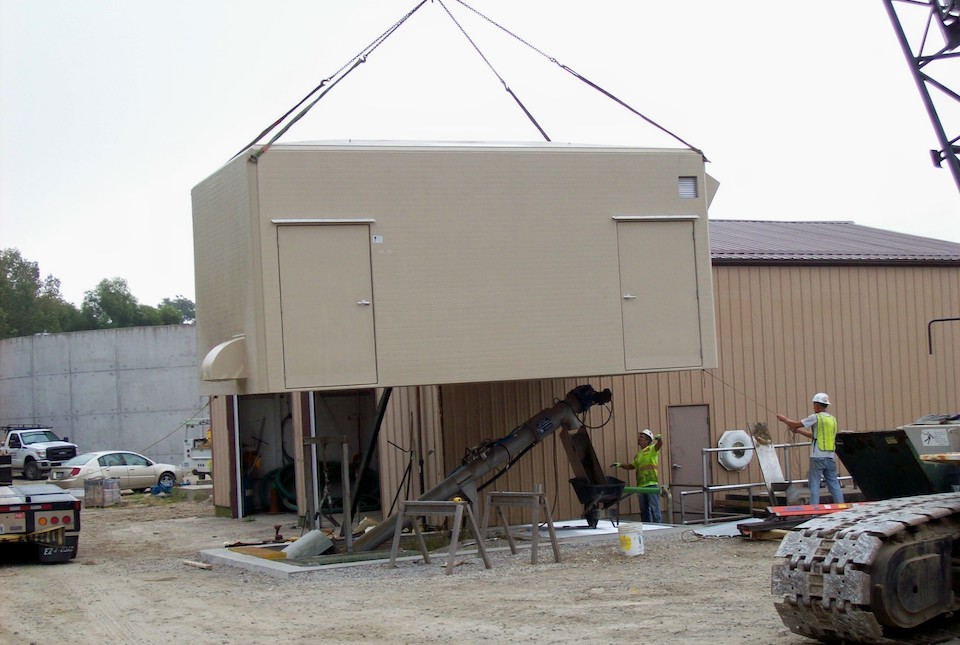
{"points": [[766, 242]]}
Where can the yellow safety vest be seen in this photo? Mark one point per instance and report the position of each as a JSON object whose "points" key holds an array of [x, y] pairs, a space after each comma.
{"points": [[826, 434], [645, 463]]}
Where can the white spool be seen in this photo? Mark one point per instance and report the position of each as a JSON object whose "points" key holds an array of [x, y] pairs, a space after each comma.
{"points": [[735, 459]]}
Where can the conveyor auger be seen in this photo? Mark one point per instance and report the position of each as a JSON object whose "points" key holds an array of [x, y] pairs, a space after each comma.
{"points": [[463, 481]]}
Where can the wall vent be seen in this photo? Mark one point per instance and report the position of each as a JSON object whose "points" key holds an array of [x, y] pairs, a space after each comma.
{"points": [[687, 187]]}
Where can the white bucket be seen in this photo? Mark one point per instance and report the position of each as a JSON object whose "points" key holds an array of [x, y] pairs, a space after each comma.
{"points": [[631, 538]]}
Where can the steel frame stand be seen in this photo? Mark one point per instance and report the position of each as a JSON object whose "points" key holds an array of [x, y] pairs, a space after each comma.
{"points": [[532, 501], [416, 509]]}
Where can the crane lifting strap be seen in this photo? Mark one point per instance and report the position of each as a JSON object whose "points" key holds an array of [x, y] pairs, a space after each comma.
{"points": [[585, 80], [330, 82]]}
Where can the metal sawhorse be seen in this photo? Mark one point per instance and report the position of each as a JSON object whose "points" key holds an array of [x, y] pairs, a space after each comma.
{"points": [[532, 501], [416, 509]]}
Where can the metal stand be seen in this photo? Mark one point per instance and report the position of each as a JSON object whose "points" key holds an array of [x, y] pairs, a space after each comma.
{"points": [[346, 526], [532, 501], [416, 509]]}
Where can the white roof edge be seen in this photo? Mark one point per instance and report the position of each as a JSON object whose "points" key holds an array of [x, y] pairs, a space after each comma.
{"points": [[414, 144]]}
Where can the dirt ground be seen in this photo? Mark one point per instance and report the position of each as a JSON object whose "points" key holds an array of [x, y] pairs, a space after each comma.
{"points": [[129, 585]]}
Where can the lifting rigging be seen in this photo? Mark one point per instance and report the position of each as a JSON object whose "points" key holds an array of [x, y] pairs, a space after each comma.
{"points": [[291, 116]]}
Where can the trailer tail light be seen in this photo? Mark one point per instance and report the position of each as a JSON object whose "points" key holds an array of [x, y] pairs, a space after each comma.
{"points": [[42, 521], [67, 519], [54, 520]]}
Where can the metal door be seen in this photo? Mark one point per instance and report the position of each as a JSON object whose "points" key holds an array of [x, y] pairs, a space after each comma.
{"points": [[689, 431], [326, 295], [658, 279]]}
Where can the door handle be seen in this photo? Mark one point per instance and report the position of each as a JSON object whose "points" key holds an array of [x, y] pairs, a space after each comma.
{"points": [[676, 466], [629, 296], [365, 303]]}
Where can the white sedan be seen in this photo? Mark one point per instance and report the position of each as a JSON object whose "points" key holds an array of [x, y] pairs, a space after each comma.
{"points": [[133, 470]]}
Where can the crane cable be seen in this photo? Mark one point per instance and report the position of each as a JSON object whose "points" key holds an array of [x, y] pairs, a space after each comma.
{"points": [[585, 80], [790, 439], [330, 82], [485, 60]]}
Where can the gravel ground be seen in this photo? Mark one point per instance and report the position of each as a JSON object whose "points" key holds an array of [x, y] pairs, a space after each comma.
{"points": [[129, 584]]}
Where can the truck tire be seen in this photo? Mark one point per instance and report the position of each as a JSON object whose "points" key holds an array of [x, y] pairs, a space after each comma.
{"points": [[31, 470]]}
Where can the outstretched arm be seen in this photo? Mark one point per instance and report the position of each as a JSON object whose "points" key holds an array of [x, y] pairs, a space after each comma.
{"points": [[795, 426]]}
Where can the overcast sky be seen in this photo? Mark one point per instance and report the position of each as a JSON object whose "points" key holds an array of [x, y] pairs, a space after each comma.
{"points": [[112, 110]]}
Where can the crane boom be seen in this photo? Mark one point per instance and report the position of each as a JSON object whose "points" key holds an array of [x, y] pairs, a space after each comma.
{"points": [[923, 56]]}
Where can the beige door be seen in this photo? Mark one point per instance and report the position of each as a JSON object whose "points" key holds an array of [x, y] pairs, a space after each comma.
{"points": [[658, 281], [326, 304]]}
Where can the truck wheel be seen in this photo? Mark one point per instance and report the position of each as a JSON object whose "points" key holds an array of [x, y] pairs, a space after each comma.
{"points": [[31, 470], [168, 479]]}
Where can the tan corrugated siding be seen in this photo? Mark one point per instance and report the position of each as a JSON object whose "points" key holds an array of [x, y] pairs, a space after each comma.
{"points": [[784, 332], [412, 418], [224, 464]]}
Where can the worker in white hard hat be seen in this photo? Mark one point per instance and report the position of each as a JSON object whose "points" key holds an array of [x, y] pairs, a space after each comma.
{"points": [[646, 463], [821, 428]]}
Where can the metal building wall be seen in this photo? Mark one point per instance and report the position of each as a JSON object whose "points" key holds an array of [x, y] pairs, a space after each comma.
{"points": [[223, 423], [411, 436], [784, 332]]}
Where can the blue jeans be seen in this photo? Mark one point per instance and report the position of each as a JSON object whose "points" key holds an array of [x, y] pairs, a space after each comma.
{"points": [[650, 508], [826, 469]]}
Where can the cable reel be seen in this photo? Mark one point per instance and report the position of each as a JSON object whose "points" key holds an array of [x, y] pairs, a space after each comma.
{"points": [[735, 459]]}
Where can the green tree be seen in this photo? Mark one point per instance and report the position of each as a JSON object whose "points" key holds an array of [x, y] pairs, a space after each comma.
{"points": [[54, 313], [188, 310], [27, 305], [110, 304], [162, 315]]}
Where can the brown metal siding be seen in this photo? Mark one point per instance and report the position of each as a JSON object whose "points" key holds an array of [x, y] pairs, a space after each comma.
{"points": [[224, 454], [412, 418], [784, 332]]}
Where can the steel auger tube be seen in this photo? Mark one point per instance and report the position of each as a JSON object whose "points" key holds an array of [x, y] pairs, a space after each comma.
{"points": [[463, 480]]}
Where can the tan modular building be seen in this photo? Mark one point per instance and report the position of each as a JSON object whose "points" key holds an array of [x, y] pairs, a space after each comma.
{"points": [[326, 267], [865, 315]]}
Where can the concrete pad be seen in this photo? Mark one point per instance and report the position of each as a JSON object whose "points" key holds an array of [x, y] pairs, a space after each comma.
{"points": [[579, 528], [568, 531], [281, 569]]}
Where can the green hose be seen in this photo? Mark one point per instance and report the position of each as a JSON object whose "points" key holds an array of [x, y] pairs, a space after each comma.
{"points": [[283, 480]]}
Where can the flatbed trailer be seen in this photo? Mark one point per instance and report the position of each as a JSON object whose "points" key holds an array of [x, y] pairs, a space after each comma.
{"points": [[42, 518]]}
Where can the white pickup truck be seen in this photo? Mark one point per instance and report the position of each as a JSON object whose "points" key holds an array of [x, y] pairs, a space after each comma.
{"points": [[34, 449]]}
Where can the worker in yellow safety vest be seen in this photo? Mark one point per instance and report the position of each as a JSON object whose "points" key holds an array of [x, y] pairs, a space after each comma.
{"points": [[646, 463], [821, 428]]}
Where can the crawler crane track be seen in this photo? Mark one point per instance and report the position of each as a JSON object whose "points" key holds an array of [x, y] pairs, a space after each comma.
{"points": [[881, 572]]}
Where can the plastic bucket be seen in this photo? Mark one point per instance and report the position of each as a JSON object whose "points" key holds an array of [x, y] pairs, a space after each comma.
{"points": [[631, 538]]}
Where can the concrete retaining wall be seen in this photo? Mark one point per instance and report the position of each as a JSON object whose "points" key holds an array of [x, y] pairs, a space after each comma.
{"points": [[123, 389]]}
